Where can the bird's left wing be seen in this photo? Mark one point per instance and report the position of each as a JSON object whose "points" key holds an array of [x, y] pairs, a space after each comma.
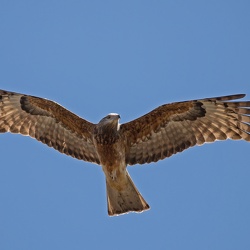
{"points": [[171, 128], [47, 122]]}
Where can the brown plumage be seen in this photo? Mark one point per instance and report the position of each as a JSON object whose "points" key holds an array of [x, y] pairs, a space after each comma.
{"points": [[168, 129]]}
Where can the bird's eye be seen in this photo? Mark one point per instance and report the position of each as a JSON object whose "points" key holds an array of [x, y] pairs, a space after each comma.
{"points": [[108, 117]]}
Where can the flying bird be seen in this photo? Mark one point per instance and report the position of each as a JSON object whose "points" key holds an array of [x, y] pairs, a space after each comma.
{"points": [[166, 130]]}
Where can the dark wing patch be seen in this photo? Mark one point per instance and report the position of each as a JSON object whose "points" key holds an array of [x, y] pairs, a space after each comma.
{"points": [[49, 123], [174, 127]]}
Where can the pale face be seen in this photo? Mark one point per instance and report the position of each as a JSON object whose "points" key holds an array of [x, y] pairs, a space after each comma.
{"points": [[110, 118]]}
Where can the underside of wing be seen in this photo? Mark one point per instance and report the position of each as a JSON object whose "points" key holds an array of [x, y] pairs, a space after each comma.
{"points": [[172, 128], [47, 122]]}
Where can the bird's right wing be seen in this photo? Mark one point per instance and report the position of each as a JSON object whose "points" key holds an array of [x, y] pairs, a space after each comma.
{"points": [[49, 123]]}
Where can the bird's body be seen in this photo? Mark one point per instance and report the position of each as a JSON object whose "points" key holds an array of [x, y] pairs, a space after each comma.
{"points": [[168, 129], [122, 195]]}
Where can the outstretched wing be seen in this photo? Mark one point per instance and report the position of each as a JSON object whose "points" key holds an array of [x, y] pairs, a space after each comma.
{"points": [[171, 128], [49, 123]]}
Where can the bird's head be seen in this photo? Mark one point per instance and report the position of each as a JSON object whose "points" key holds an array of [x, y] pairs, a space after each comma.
{"points": [[111, 120]]}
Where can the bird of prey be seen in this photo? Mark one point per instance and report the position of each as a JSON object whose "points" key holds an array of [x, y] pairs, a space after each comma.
{"points": [[166, 130]]}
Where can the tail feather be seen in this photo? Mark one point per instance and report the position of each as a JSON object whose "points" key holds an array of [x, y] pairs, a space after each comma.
{"points": [[127, 200]]}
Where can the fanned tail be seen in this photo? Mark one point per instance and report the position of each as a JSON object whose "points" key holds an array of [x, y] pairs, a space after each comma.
{"points": [[127, 200]]}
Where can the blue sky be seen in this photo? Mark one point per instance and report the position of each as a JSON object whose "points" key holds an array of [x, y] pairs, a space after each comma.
{"points": [[128, 57]]}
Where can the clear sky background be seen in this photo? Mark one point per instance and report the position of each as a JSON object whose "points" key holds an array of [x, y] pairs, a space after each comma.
{"points": [[128, 57]]}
